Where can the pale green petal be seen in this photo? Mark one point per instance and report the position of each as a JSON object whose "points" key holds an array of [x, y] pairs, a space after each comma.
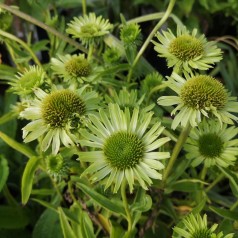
{"points": [[119, 177], [155, 164], [98, 165], [56, 141], [157, 155], [34, 125], [47, 140], [101, 174], [91, 156], [152, 173], [111, 178], [35, 134], [143, 174], [66, 140], [129, 174], [158, 143], [134, 119]]}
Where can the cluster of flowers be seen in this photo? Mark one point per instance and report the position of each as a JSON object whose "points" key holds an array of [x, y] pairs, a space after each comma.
{"points": [[118, 135]]}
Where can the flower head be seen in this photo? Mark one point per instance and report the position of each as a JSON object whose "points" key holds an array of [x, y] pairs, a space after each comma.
{"points": [[187, 51], [89, 28], [54, 116], [126, 148], [212, 145], [25, 83], [5, 19], [196, 227], [199, 95]]}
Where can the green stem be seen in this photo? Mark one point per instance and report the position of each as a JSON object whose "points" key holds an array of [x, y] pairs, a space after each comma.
{"points": [[126, 206], [84, 7], [155, 89], [177, 148], [22, 43], [217, 180], [234, 206], [203, 173], [151, 35], [90, 51], [43, 26]]}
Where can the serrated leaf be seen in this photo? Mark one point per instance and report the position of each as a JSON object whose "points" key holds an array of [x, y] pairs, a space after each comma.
{"points": [[232, 215], [4, 172], [13, 217], [101, 200], [27, 178], [66, 228], [25, 150]]}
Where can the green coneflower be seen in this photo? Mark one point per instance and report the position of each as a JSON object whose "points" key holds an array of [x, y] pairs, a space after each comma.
{"points": [[187, 50], [198, 96], [72, 67], [57, 166], [25, 83], [125, 148], [90, 29], [55, 115], [212, 145], [112, 56], [196, 227]]}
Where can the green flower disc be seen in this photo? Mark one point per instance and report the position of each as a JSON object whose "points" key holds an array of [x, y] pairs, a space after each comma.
{"points": [[201, 92], [186, 47], [61, 106], [78, 67], [123, 150]]}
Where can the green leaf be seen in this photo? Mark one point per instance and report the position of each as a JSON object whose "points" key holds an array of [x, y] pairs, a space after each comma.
{"points": [[142, 203], [4, 171], [13, 217], [66, 228], [8, 117], [27, 178], [112, 206], [48, 225], [117, 231], [199, 207], [225, 213], [25, 150], [86, 226]]}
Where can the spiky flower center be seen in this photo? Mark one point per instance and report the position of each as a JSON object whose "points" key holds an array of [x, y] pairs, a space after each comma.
{"points": [[123, 150], [78, 67], [59, 107], [210, 145], [202, 92], [30, 80], [186, 47], [90, 29], [202, 233]]}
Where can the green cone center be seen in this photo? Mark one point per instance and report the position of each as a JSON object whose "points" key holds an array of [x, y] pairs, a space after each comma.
{"points": [[123, 150], [210, 145], [202, 233], [58, 108], [78, 67], [201, 92], [186, 47], [90, 30]]}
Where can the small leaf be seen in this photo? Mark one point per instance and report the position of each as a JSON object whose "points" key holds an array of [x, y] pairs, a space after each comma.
{"points": [[117, 231], [225, 213], [13, 217], [86, 226], [100, 199], [4, 171], [66, 228], [25, 150], [27, 178]]}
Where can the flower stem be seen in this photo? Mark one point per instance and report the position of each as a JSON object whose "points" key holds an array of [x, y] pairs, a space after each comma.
{"points": [[84, 7], [151, 35], [126, 206], [177, 148], [217, 180], [43, 26]]}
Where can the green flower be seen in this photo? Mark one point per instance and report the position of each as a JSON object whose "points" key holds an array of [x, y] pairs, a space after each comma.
{"points": [[54, 116], [57, 166], [72, 67], [89, 28], [212, 144], [125, 147], [25, 83], [111, 56], [5, 20], [187, 51], [198, 96], [196, 227]]}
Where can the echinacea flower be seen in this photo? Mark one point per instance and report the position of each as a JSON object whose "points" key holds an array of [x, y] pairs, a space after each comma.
{"points": [[187, 51], [72, 67], [90, 29], [25, 83], [197, 96], [56, 114], [211, 144], [125, 148], [197, 227]]}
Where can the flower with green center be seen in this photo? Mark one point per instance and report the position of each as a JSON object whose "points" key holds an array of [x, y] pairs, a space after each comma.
{"points": [[54, 116], [25, 83], [57, 166], [90, 29], [187, 51], [72, 68], [198, 96], [212, 145], [125, 147], [195, 226]]}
